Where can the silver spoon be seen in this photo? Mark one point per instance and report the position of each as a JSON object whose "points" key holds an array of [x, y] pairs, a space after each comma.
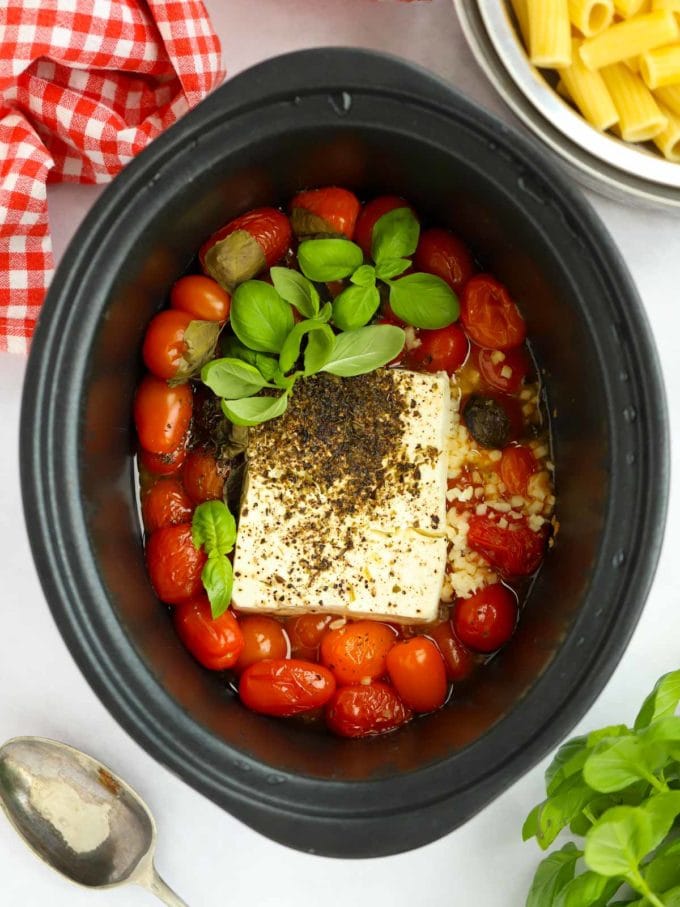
{"points": [[78, 817]]}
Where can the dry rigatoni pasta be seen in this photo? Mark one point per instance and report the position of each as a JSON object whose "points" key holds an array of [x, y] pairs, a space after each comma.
{"points": [[630, 38], [669, 97], [673, 5], [549, 33], [661, 67], [640, 117], [589, 92], [628, 8], [522, 16], [591, 17], [668, 141]]}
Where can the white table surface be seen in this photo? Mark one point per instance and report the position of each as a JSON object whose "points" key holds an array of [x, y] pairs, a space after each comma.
{"points": [[206, 854]]}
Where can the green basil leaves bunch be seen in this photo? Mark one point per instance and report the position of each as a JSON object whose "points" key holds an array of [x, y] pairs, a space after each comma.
{"points": [[213, 528], [618, 788]]}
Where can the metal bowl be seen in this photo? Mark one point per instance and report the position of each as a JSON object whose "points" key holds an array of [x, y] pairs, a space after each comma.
{"points": [[602, 162]]}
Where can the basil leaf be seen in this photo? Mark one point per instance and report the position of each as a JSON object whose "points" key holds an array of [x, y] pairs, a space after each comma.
{"points": [[395, 235], [364, 276], [355, 307], [530, 827], [325, 260], [392, 267], [232, 378], [325, 313], [553, 873], [425, 301], [661, 810], [259, 317], [672, 898], [556, 772], [285, 382], [266, 365], [319, 348], [615, 846], [254, 410], [201, 339], [290, 352], [613, 766], [363, 350], [217, 577], [589, 889], [561, 808], [630, 796], [297, 290], [213, 527], [663, 871], [605, 733], [661, 702]]}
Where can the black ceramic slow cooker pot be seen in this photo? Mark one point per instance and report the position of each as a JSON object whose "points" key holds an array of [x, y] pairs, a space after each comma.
{"points": [[375, 125]]}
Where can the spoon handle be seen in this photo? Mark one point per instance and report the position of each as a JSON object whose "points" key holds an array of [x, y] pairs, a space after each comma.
{"points": [[162, 891]]}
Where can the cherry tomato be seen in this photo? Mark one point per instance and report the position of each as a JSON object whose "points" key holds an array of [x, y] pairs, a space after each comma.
{"points": [[440, 252], [487, 619], [305, 633], [164, 504], [201, 297], [245, 246], [459, 662], [417, 670], [201, 477], [285, 687], [174, 563], [443, 350], [489, 315], [164, 346], [357, 651], [370, 214], [516, 550], [365, 710], [162, 414], [166, 464], [518, 464], [504, 371], [215, 642], [329, 210], [263, 638]]}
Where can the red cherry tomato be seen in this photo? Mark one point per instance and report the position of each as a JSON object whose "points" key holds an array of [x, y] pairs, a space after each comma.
{"points": [[164, 504], [337, 208], [458, 660], [201, 477], [417, 670], [487, 619], [516, 550], [440, 252], [370, 214], [174, 563], [365, 710], [263, 637], [284, 687], [489, 315], [201, 297], [305, 634], [162, 414], [505, 374], [215, 642], [164, 345], [357, 651], [166, 464], [443, 350], [518, 464]]}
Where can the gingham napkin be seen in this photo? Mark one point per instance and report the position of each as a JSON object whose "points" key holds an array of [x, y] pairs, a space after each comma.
{"points": [[84, 86]]}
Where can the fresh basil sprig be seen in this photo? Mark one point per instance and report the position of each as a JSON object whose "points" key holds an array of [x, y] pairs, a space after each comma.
{"points": [[251, 411], [290, 351], [355, 307], [618, 787], [297, 290], [364, 350], [213, 528], [233, 378], [423, 300], [325, 260], [259, 316]]}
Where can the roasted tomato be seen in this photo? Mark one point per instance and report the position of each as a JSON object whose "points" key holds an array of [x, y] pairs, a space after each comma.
{"points": [[164, 346], [487, 619], [365, 710], [458, 660], [174, 563], [202, 478], [201, 297], [331, 211], [443, 350], [489, 316], [515, 550], [166, 464], [305, 634], [215, 642], [440, 252], [162, 414], [246, 246], [165, 504], [417, 670], [285, 687], [504, 371], [518, 464], [357, 651], [370, 214], [263, 638]]}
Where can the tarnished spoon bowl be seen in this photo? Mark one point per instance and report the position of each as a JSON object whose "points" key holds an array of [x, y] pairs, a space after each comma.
{"points": [[78, 817]]}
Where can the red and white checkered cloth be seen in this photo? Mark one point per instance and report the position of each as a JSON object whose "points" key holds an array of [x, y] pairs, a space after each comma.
{"points": [[84, 86]]}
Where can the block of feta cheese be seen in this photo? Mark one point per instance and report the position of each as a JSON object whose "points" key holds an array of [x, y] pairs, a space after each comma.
{"points": [[344, 504]]}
